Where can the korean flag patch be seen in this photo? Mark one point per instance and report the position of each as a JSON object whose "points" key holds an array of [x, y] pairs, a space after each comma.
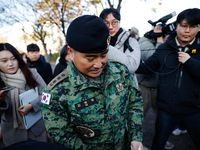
{"points": [[46, 97]]}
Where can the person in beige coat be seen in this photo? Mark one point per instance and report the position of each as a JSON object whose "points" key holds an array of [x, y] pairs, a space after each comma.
{"points": [[123, 48], [14, 72]]}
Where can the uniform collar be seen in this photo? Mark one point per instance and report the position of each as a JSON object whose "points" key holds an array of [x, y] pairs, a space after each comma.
{"points": [[80, 81]]}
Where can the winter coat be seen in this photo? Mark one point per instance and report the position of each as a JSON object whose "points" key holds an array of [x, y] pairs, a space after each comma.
{"points": [[179, 84], [36, 132], [60, 67], [43, 68], [92, 113], [147, 47], [130, 58]]}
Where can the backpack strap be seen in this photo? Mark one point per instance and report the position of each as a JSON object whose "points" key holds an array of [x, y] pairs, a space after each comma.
{"points": [[127, 45], [63, 75]]}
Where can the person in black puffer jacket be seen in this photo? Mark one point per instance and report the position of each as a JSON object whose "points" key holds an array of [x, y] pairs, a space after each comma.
{"points": [[34, 61], [178, 93], [63, 61]]}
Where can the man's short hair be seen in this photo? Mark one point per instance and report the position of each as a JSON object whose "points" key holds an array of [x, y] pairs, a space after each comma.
{"points": [[191, 15], [33, 47], [107, 11]]}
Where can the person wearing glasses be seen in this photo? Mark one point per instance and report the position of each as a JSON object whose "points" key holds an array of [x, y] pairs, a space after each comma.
{"points": [[178, 91], [123, 48], [89, 104]]}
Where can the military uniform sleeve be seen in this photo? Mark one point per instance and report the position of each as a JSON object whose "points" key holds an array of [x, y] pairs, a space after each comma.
{"points": [[135, 113], [57, 122]]}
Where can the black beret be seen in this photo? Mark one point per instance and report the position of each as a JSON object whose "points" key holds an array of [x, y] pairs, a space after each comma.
{"points": [[88, 34]]}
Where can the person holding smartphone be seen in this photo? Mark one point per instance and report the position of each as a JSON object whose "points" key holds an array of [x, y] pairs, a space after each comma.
{"points": [[3, 95], [15, 73]]}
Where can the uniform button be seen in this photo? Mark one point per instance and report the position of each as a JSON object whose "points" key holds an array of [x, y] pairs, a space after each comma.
{"points": [[114, 117]]}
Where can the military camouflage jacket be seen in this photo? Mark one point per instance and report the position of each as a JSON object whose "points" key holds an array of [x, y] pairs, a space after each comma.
{"points": [[87, 113]]}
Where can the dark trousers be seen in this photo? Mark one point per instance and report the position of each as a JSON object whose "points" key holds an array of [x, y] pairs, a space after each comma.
{"points": [[166, 122], [35, 145], [181, 126]]}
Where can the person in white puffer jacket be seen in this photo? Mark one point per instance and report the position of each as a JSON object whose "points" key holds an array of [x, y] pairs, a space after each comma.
{"points": [[123, 48]]}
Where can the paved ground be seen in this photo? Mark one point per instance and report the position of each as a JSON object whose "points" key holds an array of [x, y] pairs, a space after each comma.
{"points": [[181, 142]]}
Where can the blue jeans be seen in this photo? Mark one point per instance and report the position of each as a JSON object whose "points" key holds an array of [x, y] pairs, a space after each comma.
{"points": [[166, 122]]}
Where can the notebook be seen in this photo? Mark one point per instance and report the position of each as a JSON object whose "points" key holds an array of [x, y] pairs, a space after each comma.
{"points": [[31, 118]]}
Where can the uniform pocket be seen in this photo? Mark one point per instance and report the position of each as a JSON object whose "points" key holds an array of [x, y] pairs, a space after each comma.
{"points": [[90, 113]]}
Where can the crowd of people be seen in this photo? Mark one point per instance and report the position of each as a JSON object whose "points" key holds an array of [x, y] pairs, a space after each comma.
{"points": [[106, 80]]}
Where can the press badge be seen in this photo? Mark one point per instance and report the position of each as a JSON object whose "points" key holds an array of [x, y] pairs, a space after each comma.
{"points": [[46, 97]]}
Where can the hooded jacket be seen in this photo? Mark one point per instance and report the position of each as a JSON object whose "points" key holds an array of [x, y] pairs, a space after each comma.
{"points": [[178, 84], [129, 58]]}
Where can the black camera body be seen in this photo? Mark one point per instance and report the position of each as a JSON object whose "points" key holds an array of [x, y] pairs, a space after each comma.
{"points": [[166, 28]]}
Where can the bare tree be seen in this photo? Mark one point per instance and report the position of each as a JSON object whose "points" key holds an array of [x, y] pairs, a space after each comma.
{"points": [[62, 12], [25, 11], [118, 4], [40, 13]]}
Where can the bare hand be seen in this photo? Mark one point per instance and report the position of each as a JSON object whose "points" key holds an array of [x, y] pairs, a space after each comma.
{"points": [[49, 139], [136, 145], [3, 95], [157, 29], [24, 110], [183, 57]]}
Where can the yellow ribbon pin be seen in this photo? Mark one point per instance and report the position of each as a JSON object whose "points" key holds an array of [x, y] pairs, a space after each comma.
{"points": [[194, 51]]}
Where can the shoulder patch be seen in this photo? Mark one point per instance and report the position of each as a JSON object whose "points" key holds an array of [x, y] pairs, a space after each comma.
{"points": [[63, 75]]}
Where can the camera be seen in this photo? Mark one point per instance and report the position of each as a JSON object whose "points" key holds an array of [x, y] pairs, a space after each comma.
{"points": [[166, 28]]}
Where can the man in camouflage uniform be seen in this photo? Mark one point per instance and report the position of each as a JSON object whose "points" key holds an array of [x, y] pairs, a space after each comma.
{"points": [[93, 104]]}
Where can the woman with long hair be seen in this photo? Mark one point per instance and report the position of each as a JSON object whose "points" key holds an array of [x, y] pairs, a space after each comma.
{"points": [[15, 72]]}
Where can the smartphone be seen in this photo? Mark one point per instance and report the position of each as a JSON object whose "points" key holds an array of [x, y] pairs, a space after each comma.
{"points": [[7, 88]]}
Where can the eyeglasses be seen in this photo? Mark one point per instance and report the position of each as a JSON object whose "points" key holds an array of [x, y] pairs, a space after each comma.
{"points": [[114, 23], [191, 27]]}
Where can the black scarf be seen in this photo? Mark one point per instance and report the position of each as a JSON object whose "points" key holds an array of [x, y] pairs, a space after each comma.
{"points": [[113, 39]]}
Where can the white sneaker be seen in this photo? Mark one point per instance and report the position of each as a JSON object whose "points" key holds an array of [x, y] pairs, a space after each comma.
{"points": [[169, 145], [178, 132]]}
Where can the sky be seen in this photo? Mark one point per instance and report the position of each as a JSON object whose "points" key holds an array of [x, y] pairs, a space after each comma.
{"points": [[134, 13], [137, 12]]}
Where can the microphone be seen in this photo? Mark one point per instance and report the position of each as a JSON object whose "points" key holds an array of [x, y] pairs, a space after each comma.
{"points": [[167, 17]]}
